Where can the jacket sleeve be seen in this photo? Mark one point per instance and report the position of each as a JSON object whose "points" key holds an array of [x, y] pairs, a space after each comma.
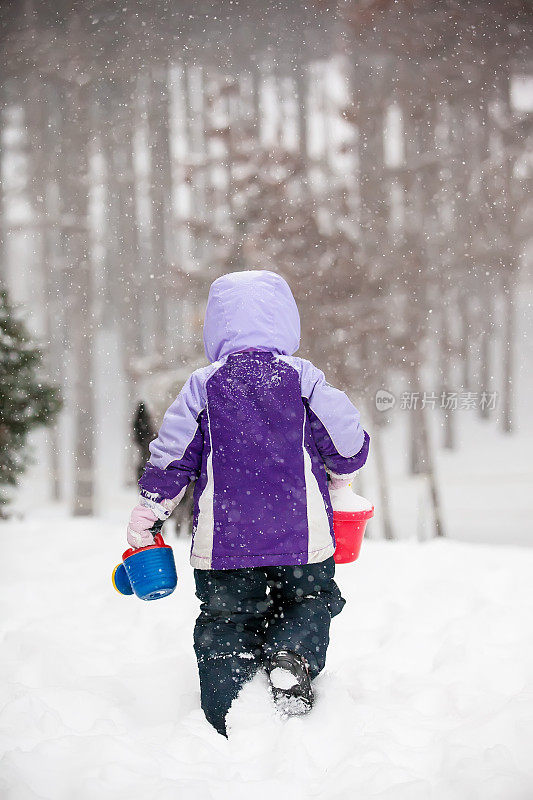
{"points": [[337, 432], [176, 453]]}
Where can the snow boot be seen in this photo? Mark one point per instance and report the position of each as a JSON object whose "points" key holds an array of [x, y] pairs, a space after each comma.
{"points": [[288, 674]]}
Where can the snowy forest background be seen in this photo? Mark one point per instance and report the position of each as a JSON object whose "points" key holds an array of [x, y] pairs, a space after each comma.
{"points": [[378, 155]]}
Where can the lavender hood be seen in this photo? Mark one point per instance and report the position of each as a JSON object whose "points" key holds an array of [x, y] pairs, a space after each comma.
{"points": [[254, 308]]}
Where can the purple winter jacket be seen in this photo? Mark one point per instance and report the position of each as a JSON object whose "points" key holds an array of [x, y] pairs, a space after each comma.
{"points": [[257, 429]]}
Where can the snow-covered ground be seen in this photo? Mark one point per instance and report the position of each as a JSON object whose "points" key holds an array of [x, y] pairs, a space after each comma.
{"points": [[428, 692]]}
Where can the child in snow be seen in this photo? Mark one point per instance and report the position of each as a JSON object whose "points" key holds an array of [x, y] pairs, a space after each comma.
{"points": [[258, 429]]}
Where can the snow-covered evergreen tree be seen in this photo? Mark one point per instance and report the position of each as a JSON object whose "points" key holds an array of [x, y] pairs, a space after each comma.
{"points": [[25, 400]]}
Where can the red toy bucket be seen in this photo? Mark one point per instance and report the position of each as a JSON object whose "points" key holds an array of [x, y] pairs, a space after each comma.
{"points": [[349, 528]]}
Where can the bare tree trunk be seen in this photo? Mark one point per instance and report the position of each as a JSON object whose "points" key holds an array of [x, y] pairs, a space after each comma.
{"points": [[40, 126], [195, 204], [510, 264], [426, 454], [479, 158], [256, 79], [239, 221], [466, 335], [415, 257], [417, 143], [123, 265], [3, 221], [381, 469], [124, 273], [161, 198], [128, 266], [446, 371], [302, 108], [508, 352], [437, 251], [75, 189], [458, 230], [485, 350], [432, 480]]}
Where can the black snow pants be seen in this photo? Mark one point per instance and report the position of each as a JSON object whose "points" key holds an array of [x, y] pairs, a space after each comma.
{"points": [[247, 614]]}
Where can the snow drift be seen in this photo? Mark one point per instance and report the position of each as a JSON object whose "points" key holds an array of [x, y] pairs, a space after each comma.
{"points": [[427, 694]]}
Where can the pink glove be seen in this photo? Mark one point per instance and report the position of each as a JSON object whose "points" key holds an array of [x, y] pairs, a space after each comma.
{"points": [[141, 520]]}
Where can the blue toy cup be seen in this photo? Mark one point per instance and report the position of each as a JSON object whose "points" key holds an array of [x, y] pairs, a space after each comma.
{"points": [[150, 571]]}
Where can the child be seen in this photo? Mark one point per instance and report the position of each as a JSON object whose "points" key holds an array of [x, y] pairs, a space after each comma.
{"points": [[257, 429]]}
